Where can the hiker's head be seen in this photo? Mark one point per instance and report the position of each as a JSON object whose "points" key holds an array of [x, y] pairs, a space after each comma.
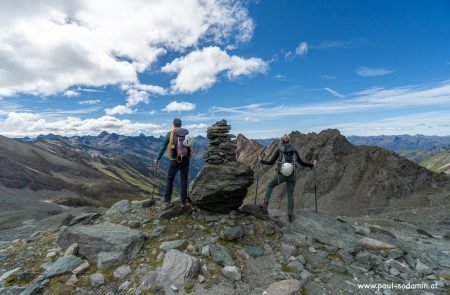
{"points": [[176, 123], [284, 139]]}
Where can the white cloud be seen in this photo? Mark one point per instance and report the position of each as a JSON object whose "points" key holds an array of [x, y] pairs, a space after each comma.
{"points": [[119, 110], [426, 123], [334, 92], [181, 106], [373, 72], [363, 101], [302, 49], [30, 124], [49, 46], [89, 102], [71, 93], [200, 69]]}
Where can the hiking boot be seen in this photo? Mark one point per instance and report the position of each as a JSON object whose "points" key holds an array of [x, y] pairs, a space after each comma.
{"points": [[166, 205], [290, 217]]}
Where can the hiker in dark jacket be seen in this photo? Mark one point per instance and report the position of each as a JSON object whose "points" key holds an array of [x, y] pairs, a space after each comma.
{"points": [[180, 150], [286, 157]]}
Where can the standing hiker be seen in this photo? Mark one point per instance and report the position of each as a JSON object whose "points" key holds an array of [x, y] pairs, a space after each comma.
{"points": [[179, 151], [286, 157]]}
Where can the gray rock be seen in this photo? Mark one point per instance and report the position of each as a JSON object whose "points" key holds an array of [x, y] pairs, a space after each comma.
{"points": [[316, 259], [286, 287], [296, 266], [375, 245], [122, 271], [220, 255], [232, 272], [364, 257], [120, 207], [84, 218], [106, 244], [379, 230], [166, 246], [337, 266], [324, 229], [178, 267], [254, 250], [147, 282], [398, 265], [423, 268], [81, 268], [288, 250], [346, 256], [221, 188], [157, 232], [233, 233], [410, 261], [72, 250], [97, 279], [63, 265], [255, 210], [12, 290], [395, 253], [174, 210], [147, 203]]}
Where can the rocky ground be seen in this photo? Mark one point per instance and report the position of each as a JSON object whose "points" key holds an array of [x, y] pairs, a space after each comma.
{"points": [[139, 248]]}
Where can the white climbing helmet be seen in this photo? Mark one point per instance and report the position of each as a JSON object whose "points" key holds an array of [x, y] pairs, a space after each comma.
{"points": [[287, 169], [188, 140]]}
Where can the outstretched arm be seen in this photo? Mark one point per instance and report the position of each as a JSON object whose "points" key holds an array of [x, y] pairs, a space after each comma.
{"points": [[299, 160], [163, 147], [272, 160]]}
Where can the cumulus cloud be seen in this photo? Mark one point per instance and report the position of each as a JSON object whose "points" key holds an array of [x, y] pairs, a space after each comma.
{"points": [[71, 93], [18, 124], [89, 102], [181, 106], [49, 46], [302, 49], [200, 69], [373, 72]]}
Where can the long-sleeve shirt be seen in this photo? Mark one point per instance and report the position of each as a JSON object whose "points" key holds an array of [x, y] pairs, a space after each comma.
{"points": [[277, 154], [163, 147]]}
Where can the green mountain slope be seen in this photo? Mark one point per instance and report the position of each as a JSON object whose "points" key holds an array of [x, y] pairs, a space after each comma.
{"points": [[438, 163]]}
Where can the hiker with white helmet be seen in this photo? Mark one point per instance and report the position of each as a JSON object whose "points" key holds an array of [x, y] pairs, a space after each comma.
{"points": [[180, 150], [286, 157]]}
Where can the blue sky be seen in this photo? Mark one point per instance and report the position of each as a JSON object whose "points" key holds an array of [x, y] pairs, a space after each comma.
{"points": [[268, 67]]}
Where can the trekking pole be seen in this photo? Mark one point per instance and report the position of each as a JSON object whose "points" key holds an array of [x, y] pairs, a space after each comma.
{"points": [[262, 154], [155, 174], [315, 182]]}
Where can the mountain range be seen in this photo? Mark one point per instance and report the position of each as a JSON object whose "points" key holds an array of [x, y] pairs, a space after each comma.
{"points": [[350, 179]]}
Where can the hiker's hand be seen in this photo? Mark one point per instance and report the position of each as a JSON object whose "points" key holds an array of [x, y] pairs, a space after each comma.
{"points": [[157, 163], [314, 163], [260, 158]]}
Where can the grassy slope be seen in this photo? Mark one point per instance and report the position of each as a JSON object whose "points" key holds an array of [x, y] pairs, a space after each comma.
{"points": [[438, 163]]}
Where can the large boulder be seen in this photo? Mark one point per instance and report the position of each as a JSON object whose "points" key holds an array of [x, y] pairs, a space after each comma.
{"points": [[221, 188], [106, 244], [178, 267]]}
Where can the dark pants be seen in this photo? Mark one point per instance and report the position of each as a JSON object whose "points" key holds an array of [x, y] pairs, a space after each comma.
{"points": [[279, 179], [174, 166]]}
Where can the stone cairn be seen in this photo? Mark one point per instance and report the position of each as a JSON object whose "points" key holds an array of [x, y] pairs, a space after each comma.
{"points": [[221, 147]]}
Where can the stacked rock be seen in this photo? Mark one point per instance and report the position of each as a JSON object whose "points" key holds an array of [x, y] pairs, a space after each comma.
{"points": [[221, 147]]}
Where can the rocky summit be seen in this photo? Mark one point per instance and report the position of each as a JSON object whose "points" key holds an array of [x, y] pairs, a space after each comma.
{"points": [[228, 253], [222, 184]]}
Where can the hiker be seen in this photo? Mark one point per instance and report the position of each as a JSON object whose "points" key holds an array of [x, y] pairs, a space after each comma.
{"points": [[179, 151], [286, 157]]}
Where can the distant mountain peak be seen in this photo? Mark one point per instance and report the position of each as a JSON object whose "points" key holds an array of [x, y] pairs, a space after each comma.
{"points": [[103, 134]]}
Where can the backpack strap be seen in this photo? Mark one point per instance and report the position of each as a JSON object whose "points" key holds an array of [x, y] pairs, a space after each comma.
{"points": [[171, 143]]}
